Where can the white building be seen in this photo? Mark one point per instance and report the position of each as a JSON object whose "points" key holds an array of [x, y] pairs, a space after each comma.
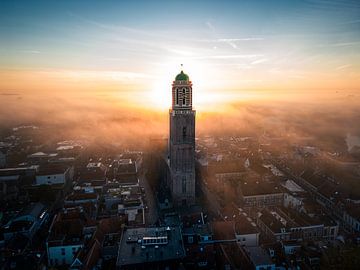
{"points": [[67, 234], [246, 232], [260, 258], [54, 174]]}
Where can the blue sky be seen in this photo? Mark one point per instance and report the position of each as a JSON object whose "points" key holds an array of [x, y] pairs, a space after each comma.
{"points": [[243, 44]]}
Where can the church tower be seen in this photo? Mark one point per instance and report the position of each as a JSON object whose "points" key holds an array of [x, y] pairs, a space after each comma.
{"points": [[182, 142]]}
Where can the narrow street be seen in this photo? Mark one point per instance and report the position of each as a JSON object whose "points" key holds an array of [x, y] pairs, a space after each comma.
{"points": [[151, 213], [212, 200]]}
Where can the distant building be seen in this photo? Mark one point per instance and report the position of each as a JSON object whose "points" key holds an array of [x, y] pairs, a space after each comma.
{"points": [[76, 199], [197, 234], [261, 194], [67, 235], [290, 247], [54, 174], [259, 258], [351, 218], [102, 247], [123, 172], [273, 226], [182, 142], [14, 173], [94, 172], [40, 157], [150, 248], [246, 232], [287, 224]]}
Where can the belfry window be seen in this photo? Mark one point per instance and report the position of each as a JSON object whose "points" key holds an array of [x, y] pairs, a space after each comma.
{"points": [[177, 96], [183, 96]]}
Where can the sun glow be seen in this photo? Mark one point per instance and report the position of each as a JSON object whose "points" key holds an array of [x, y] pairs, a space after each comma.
{"points": [[201, 76]]}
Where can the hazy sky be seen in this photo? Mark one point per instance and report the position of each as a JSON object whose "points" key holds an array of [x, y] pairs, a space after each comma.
{"points": [[135, 48]]}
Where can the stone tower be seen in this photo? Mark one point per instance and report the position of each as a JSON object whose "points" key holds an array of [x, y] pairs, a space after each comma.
{"points": [[182, 142]]}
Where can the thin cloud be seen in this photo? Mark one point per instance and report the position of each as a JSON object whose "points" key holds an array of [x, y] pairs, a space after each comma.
{"points": [[232, 56], [107, 75], [342, 67], [238, 39], [259, 61], [341, 44], [30, 51]]}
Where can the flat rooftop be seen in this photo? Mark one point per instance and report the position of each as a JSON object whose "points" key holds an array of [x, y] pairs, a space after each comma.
{"points": [[259, 188], [152, 244], [291, 186], [52, 169], [124, 161], [245, 225], [274, 221], [259, 256]]}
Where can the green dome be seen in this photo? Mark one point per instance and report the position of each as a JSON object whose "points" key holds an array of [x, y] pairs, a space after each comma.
{"points": [[182, 77]]}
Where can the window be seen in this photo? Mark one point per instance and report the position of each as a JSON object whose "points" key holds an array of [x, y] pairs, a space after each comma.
{"points": [[183, 186], [183, 96], [177, 96], [191, 239], [184, 132]]}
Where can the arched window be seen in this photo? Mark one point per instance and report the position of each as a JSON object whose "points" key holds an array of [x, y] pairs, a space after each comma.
{"points": [[184, 132], [177, 96], [183, 96]]}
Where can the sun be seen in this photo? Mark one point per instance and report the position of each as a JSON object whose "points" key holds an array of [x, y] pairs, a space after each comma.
{"points": [[160, 94]]}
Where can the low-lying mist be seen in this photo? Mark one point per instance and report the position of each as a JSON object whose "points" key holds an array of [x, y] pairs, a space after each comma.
{"points": [[104, 117]]}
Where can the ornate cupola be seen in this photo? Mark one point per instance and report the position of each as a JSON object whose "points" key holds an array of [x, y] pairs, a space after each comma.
{"points": [[182, 92]]}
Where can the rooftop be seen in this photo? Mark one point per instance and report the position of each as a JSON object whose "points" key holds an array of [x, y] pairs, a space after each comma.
{"points": [[223, 230], [82, 196], [35, 210], [146, 245], [274, 221], [291, 186], [52, 169], [245, 225], [67, 227], [259, 188], [258, 256], [42, 154]]}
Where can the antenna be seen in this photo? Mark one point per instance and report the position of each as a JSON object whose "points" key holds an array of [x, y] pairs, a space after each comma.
{"points": [[181, 66]]}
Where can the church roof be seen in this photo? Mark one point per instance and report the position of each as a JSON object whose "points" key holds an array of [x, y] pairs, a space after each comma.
{"points": [[182, 77]]}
